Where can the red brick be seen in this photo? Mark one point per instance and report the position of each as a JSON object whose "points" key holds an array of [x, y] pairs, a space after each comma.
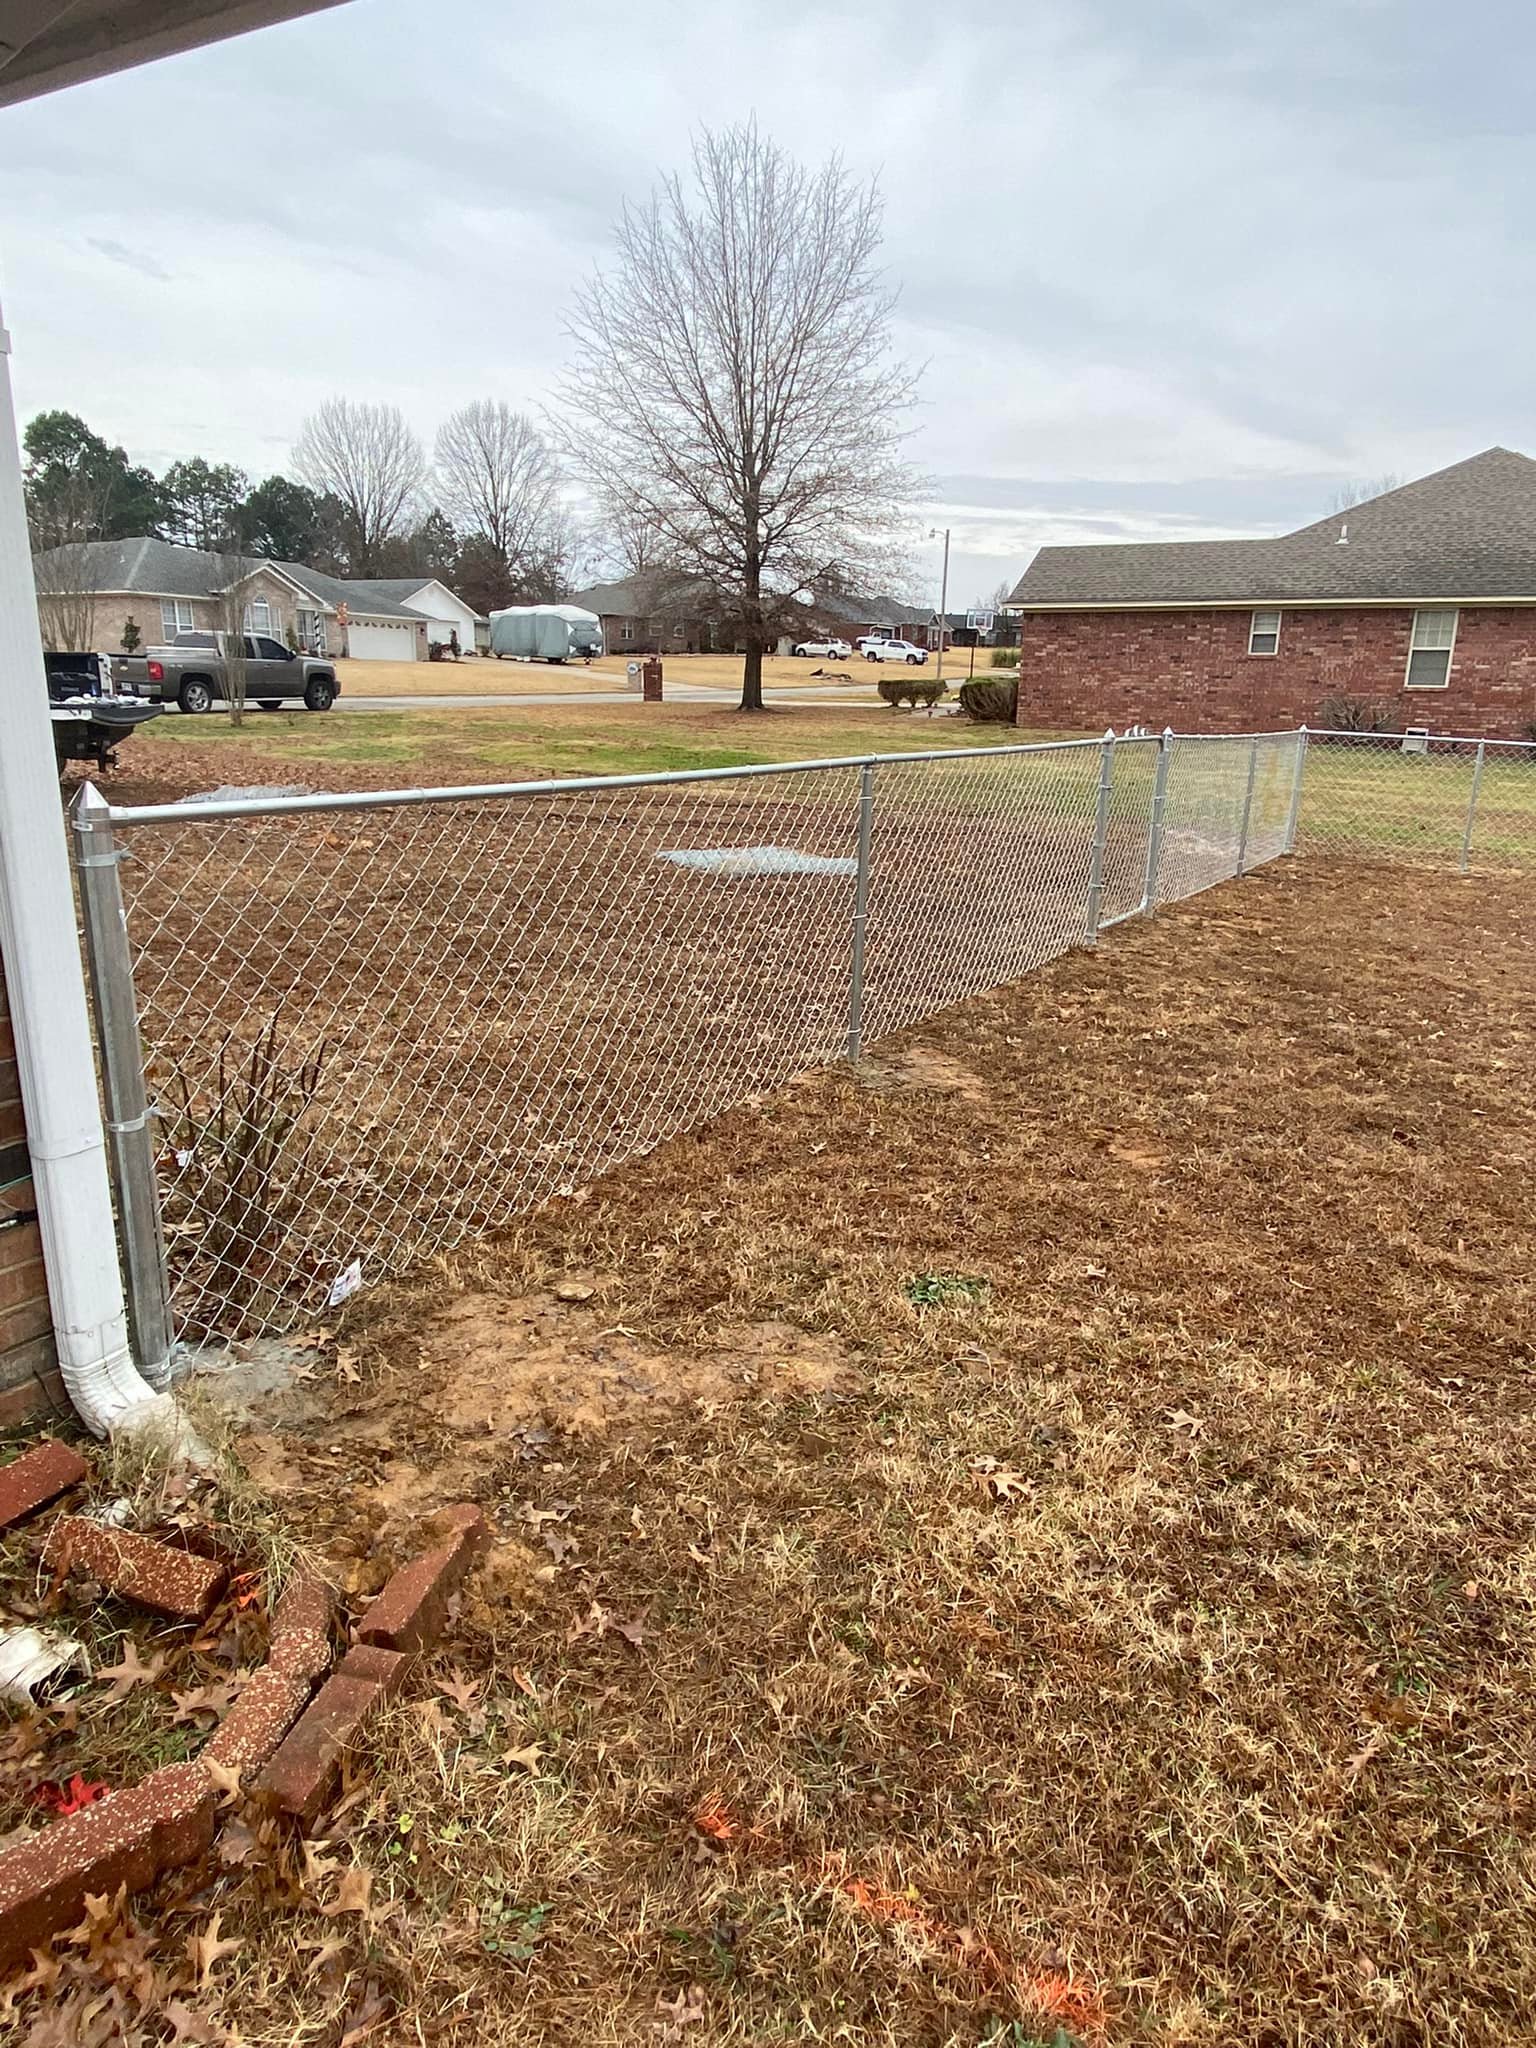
{"points": [[37, 1477], [21, 1244], [13, 1128], [173, 1582], [20, 1325], [269, 1704], [303, 1775], [389, 1668], [21, 1279], [301, 1627], [411, 1611], [1191, 669], [128, 1838], [39, 1394]]}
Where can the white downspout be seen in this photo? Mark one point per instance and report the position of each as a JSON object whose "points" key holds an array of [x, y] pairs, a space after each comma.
{"points": [[45, 985]]}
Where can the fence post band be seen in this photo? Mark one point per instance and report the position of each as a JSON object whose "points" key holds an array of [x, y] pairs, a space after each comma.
{"points": [[1477, 783], [1155, 826], [860, 912], [1242, 837], [130, 1143], [1100, 836]]}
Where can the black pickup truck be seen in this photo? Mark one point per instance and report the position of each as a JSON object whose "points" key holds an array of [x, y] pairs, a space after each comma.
{"points": [[93, 711]]}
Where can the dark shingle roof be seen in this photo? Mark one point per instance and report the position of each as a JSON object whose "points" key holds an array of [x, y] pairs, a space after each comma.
{"points": [[1466, 532], [146, 567]]}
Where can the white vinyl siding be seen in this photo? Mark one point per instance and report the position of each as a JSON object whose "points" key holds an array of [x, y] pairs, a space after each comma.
{"points": [[1264, 633], [176, 616], [1430, 646]]}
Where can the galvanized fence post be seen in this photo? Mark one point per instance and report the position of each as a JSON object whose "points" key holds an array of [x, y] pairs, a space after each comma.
{"points": [[1100, 835], [130, 1143], [860, 911], [1242, 837], [1477, 783], [1293, 816], [1155, 824]]}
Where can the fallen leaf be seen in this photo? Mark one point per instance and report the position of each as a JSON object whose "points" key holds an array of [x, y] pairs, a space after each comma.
{"points": [[203, 1699], [524, 1683], [688, 2009], [524, 1759], [246, 1590], [365, 2018], [632, 1631], [463, 1691], [226, 1780], [190, 2026], [131, 1671], [1180, 1418], [346, 1367], [207, 1949], [68, 1798], [237, 1844], [352, 1893]]}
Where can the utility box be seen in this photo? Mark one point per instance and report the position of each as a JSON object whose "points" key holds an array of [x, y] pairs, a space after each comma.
{"points": [[650, 679]]}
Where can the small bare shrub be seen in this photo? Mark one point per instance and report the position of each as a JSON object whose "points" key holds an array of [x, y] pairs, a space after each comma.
{"points": [[1356, 714]]}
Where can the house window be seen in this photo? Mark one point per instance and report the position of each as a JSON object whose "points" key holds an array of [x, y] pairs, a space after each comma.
{"points": [[1429, 649], [176, 617], [258, 616], [1264, 633]]}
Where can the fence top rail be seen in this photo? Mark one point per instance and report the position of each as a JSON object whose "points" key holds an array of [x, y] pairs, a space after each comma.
{"points": [[476, 792], [1432, 739]]}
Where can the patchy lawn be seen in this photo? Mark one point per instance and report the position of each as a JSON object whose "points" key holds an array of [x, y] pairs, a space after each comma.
{"points": [[377, 750], [1030, 1541]]}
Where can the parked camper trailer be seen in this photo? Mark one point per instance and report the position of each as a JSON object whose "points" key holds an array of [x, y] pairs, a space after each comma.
{"points": [[546, 632]]}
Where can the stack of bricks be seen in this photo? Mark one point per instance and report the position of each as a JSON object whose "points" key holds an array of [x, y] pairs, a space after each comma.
{"points": [[29, 1378], [276, 1741]]}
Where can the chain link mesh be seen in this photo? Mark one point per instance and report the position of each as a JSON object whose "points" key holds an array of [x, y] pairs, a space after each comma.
{"points": [[371, 1033], [1461, 803]]}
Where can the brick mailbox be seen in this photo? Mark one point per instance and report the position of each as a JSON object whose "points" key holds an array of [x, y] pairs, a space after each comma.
{"points": [[650, 679]]}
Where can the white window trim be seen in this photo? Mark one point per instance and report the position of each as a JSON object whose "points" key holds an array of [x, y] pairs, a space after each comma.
{"points": [[175, 623], [1448, 652], [265, 603], [1268, 612]]}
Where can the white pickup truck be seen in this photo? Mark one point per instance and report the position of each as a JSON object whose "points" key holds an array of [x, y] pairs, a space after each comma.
{"points": [[893, 650]]}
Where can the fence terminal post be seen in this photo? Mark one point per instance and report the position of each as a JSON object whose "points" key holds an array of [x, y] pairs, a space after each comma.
{"points": [[1293, 817], [1242, 837], [1155, 826], [130, 1142], [860, 912], [1477, 783], [1100, 836]]}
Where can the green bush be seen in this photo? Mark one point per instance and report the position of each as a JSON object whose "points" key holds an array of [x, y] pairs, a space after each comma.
{"points": [[1004, 657], [994, 702]]}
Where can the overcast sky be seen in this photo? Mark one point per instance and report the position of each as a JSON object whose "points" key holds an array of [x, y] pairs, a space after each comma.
{"points": [[1178, 268]]}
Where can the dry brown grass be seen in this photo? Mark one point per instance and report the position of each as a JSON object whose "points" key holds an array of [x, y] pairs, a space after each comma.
{"points": [[1141, 1648]]}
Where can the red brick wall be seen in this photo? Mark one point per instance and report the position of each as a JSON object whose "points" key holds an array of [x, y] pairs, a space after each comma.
{"points": [[1192, 670], [29, 1381]]}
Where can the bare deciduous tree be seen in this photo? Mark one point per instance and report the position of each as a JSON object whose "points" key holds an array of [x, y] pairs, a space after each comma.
{"points": [[733, 388], [66, 597], [233, 569], [369, 461], [1361, 493], [497, 477]]}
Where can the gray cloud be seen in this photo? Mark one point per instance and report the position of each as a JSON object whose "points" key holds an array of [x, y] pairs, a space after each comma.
{"points": [[1178, 268]]}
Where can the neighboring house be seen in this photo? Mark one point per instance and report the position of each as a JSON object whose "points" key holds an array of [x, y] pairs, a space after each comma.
{"points": [[1421, 601], [656, 612], [166, 589], [854, 617]]}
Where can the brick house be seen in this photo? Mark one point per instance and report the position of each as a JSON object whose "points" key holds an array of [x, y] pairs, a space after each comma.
{"points": [[1421, 602], [91, 591], [29, 1377]]}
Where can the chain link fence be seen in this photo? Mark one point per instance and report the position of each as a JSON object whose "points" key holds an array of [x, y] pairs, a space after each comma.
{"points": [[370, 1027], [1442, 802]]}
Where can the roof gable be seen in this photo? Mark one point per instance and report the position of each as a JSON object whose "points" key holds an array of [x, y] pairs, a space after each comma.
{"points": [[1465, 532]]}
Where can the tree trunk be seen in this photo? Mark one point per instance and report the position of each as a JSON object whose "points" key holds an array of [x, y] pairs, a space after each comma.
{"points": [[752, 624]]}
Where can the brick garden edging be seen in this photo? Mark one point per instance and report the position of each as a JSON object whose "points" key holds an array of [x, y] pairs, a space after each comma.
{"points": [[297, 1744], [37, 1477]]}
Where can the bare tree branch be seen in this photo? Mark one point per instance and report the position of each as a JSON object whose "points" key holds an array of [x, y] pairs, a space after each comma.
{"points": [[497, 477], [733, 391], [367, 458]]}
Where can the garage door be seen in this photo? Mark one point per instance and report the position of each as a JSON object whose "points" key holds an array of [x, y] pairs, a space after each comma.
{"points": [[385, 641]]}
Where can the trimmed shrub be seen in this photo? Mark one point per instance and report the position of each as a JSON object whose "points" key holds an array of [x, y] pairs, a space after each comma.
{"points": [[1004, 657], [994, 702]]}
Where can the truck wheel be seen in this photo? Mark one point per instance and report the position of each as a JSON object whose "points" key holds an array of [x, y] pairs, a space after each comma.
{"points": [[913, 660], [319, 694], [195, 695], [271, 704]]}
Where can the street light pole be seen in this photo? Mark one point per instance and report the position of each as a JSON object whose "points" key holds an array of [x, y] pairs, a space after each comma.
{"points": [[943, 608]]}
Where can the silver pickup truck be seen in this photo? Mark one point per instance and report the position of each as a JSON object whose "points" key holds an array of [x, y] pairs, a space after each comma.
{"points": [[193, 674]]}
